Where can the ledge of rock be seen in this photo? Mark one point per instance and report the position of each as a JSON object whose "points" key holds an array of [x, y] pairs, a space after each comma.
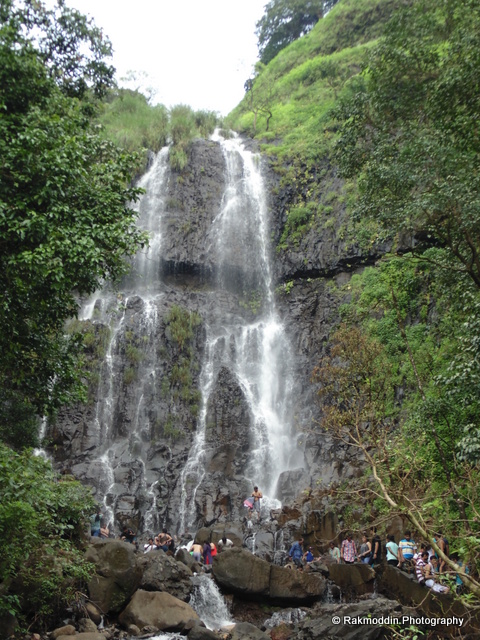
{"points": [[240, 572], [354, 579]]}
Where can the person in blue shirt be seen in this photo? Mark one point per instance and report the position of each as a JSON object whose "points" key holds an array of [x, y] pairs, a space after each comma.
{"points": [[296, 552], [308, 555]]}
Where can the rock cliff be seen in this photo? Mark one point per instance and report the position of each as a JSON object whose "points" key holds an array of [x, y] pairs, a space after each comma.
{"points": [[216, 332]]}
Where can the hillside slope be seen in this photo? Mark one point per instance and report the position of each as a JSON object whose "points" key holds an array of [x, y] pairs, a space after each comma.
{"points": [[288, 110]]}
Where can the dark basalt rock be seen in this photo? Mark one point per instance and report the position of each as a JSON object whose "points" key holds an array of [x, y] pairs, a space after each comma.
{"points": [[240, 572], [154, 415]]}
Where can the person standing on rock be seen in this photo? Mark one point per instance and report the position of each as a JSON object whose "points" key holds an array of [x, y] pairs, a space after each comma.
{"points": [[196, 552], [296, 553], [95, 524], [348, 550], [257, 496], [207, 553], [334, 552]]}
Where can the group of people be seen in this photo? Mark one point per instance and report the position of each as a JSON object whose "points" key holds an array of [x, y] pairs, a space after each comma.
{"points": [[162, 542], [423, 561]]}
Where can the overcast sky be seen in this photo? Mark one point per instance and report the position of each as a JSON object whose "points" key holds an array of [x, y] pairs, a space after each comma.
{"points": [[196, 52]]}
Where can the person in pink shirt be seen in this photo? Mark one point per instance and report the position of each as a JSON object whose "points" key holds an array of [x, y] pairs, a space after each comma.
{"points": [[348, 550]]}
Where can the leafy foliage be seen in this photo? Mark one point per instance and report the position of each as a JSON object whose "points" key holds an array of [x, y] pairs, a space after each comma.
{"points": [[286, 20], [64, 221], [401, 354], [66, 43], [410, 132], [42, 518], [133, 124]]}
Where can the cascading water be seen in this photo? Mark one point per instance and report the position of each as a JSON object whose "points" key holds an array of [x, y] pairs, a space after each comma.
{"points": [[255, 350], [111, 470], [209, 604], [180, 428]]}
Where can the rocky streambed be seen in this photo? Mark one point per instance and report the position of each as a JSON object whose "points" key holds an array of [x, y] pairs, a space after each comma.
{"points": [[245, 597]]}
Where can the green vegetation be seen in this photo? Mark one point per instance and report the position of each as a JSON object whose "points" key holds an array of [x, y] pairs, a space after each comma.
{"points": [[180, 328], [42, 520], [133, 124], [285, 21], [289, 104], [64, 222], [401, 382], [410, 131]]}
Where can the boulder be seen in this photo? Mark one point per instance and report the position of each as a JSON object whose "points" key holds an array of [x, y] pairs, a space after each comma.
{"points": [[157, 609], [240, 572], [202, 633], [353, 579], [93, 613], [117, 574], [162, 573], [322, 622], [87, 625], [66, 630]]}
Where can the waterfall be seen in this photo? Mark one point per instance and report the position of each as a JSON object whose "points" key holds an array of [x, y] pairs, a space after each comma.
{"points": [[251, 345], [150, 441], [118, 463], [209, 604]]}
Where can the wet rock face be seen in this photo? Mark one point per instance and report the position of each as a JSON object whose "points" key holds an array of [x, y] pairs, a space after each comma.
{"points": [[132, 439], [162, 573]]}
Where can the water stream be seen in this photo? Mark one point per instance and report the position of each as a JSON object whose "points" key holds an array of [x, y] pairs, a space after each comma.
{"points": [[256, 350]]}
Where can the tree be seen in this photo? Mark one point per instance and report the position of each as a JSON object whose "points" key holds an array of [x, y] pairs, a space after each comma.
{"points": [[42, 522], [411, 136], [285, 21], [356, 394], [260, 95], [65, 223]]}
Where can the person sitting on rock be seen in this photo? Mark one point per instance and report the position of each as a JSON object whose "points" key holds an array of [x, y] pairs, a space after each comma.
{"points": [[150, 546], [128, 535], [365, 554], [420, 564], [296, 553], [334, 552], [406, 550], [163, 540], [95, 524], [348, 551], [104, 531], [430, 575], [224, 543]]}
